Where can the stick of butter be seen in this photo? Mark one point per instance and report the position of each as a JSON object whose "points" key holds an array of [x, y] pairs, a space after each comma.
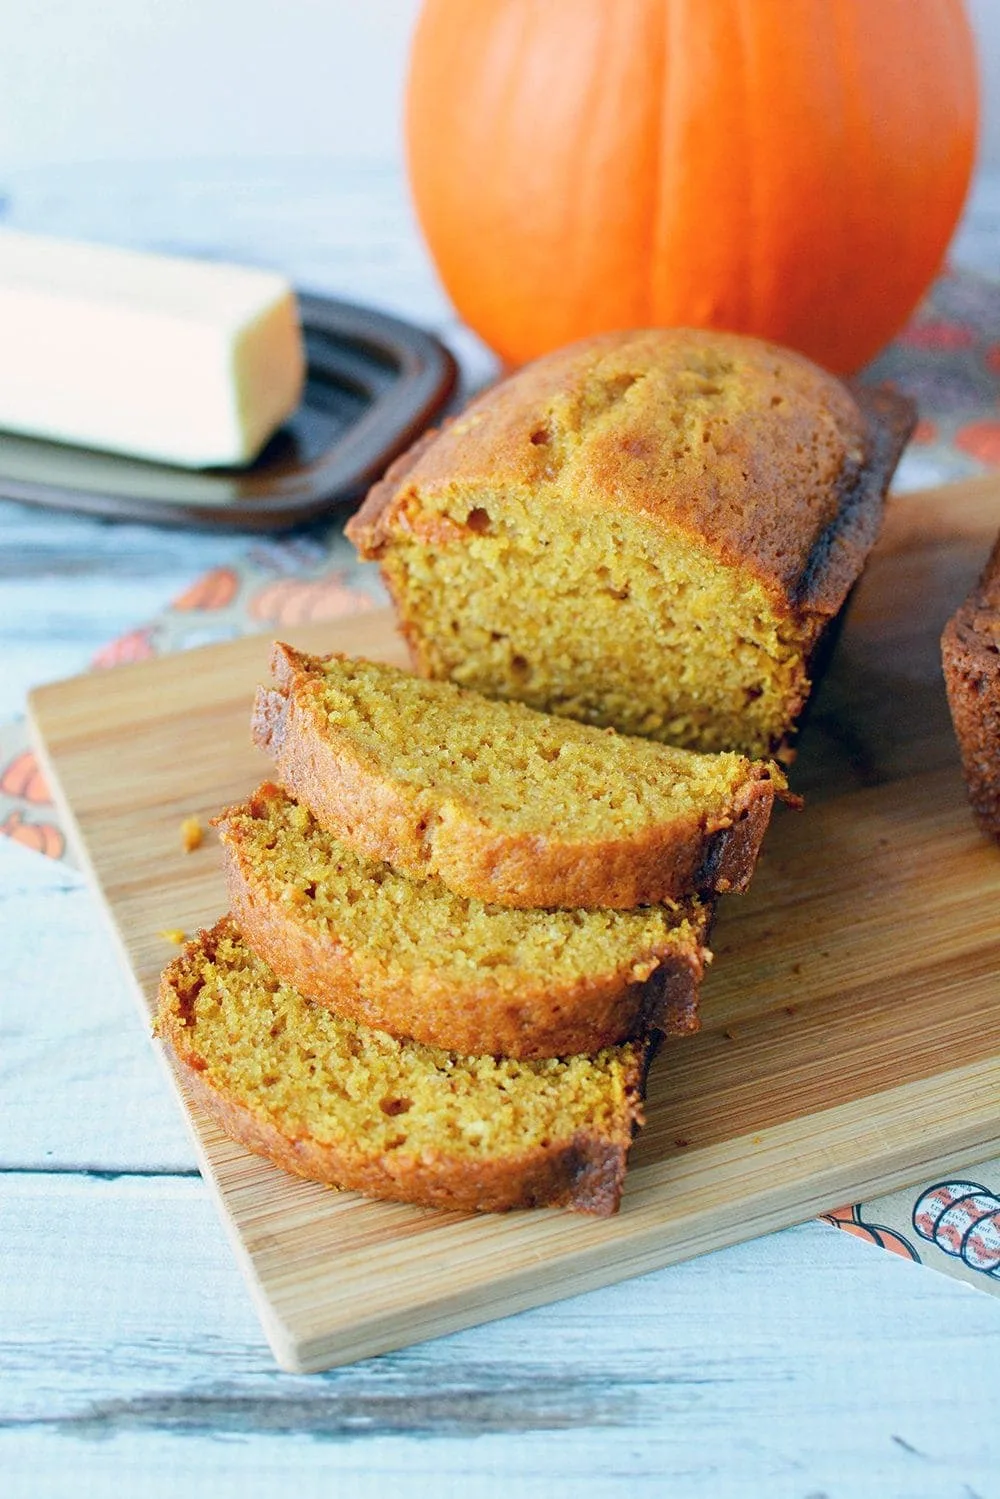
{"points": [[180, 361]]}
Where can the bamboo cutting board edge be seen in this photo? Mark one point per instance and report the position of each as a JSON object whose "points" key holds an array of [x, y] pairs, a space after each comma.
{"points": [[654, 1245], [309, 1335]]}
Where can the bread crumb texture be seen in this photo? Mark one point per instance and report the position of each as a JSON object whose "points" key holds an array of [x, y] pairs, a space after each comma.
{"points": [[517, 769], [307, 1072], [588, 532], [192, 834], [402, 931]]}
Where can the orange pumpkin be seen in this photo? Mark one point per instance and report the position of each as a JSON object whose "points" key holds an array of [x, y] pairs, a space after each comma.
{"points": [[23, 778], [789, 170], [213, 591], [43, 837]]}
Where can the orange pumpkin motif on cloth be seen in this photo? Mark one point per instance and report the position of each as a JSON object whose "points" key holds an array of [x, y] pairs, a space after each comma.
{"points": [[793, 170], [43, 837], [23, 778], [298, 601], [213, 591], [980, 440], [850, 1220], [135, 646]]}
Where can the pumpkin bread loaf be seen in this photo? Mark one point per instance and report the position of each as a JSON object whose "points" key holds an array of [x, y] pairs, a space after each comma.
{"points": [[970, 652], [330, 1099], [500, 802], [650, 530], [412, 958]]}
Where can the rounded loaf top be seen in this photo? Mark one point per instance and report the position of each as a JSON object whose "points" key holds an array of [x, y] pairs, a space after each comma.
{"points": [[746, 446]]}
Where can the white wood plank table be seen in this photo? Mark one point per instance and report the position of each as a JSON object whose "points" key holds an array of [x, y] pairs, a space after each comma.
{"points": [[131, 1362]]}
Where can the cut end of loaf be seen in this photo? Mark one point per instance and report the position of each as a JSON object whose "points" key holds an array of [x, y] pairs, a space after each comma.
{"points": [[619, 627], [648, 529]]}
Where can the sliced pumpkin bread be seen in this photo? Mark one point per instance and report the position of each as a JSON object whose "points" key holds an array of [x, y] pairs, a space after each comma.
{"points": [[413, 958], [503, 803], [328, 1098]]}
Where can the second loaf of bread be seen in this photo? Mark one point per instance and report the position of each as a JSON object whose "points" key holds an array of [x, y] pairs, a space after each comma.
{"points": [[970, 651]]}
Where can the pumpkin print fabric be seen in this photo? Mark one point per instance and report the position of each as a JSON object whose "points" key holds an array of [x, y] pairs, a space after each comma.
{"points": [[22, 778], [953, 1226], [299, 601], [42, 837], [215, 590], [27, 815], [962, 1219], [948, 361], [851, 1221], [278, 584]]}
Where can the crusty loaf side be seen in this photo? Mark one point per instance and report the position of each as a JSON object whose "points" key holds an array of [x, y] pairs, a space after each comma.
{"points": [[840, 552], [704, 842], [970, 653], [649, 530], [410, 958], [397, 1146]]}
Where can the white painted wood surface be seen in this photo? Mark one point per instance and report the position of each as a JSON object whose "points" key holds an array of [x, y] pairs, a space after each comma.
{"points": [[130, 1359]]}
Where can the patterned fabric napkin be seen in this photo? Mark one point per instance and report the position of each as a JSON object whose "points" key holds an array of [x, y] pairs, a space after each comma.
{"points": [[948, 359]]}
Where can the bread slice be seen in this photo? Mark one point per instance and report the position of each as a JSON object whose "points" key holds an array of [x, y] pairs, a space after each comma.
{"points": [[502, 803], [328, 1098], [970, 653], [413, 958], [650, 529]]}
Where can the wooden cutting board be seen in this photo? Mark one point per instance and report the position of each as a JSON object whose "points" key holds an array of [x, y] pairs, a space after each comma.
{"points": [[851, 1039]]}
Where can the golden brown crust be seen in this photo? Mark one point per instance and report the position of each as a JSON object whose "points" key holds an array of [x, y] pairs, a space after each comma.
{"points": [[544, 1018], [776, 424], [970, 653], [584, 1171], [353, 796], [840, 552], [381, 492]]}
